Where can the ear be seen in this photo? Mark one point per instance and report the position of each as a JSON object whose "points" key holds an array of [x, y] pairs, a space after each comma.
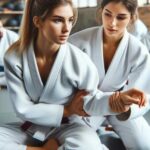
{"points": [[36, 21]]}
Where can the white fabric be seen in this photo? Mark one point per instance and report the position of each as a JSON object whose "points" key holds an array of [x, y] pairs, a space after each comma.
{"points": [[134, 133], [146, 41], [139, 29], [71, 136], [8, 38]]}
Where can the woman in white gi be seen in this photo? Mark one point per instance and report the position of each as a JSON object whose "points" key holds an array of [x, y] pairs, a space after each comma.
{"points": [[7, 37], [43, 73], [123, 63]]}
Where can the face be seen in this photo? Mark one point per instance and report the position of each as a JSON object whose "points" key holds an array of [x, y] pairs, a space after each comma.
{"points": [[115, 18], [56, 28]]}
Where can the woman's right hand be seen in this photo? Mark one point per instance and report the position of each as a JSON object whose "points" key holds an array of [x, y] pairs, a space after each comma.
{"points": [[120, 101], [135, 96], [76, 105]]}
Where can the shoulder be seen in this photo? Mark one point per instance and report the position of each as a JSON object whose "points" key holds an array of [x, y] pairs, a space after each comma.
{"points": [[78, 62], [146, 38], [137, 50], [12, 58], [74, 50], [140, 25], [78, 56], [12, 35], [135, 43], [146, 41]]}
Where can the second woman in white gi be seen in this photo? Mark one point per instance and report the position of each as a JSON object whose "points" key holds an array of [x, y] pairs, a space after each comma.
{"points": [[122, 62]]}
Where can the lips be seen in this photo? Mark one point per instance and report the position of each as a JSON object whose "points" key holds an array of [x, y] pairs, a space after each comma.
{"points": [[64, 36], [111, 30]]}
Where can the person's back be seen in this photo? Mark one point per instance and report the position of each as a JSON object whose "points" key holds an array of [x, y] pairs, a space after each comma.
{"points": [[7, 37]]}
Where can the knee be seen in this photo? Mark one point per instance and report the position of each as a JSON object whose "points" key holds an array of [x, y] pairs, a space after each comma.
{"points": [[89, 138], [140, 144], [84, 139]]}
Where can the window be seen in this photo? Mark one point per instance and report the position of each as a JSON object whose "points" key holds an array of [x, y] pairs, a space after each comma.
{"points": [[85, 3], [143, 2]]}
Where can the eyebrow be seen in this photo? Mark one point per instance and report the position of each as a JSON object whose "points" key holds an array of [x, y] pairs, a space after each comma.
{"points": [[61, 17], [118, 14]]}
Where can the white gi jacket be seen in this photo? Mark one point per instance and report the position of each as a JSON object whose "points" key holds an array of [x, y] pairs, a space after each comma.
{"points": [[130, 66], [43, 105], [146, 41], [139, 29], [8, 38]]}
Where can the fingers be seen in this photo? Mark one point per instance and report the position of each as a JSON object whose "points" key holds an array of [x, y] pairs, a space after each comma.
{"points": [[83, 113], [127, 100], [75, 106], [143, 100], [81, 93], [116, 104], [79, 109], [120, 102], [135, 96]]}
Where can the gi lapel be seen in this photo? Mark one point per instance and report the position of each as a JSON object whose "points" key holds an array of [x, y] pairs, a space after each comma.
{"points": [[97, 54], [54, 72], [113, 68], [31, 75]]}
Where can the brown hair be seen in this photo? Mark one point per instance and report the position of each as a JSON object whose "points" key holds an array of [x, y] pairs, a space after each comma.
{"points": [[39, 8], [131, 6]]}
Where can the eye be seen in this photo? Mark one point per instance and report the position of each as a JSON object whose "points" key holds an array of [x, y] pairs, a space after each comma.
{"points": [[121, 17], [71, 20], [57, 20], [107, 14]]}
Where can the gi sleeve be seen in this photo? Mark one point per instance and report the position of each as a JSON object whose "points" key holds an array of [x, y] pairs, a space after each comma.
{"points": [[139, 77], [97, 102]]}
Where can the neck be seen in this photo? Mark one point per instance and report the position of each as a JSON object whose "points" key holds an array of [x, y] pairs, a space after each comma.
{"points": [[45, 50], [111, 40]]}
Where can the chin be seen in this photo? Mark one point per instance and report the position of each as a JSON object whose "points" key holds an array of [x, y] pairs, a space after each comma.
{"points": [[62, 42]]}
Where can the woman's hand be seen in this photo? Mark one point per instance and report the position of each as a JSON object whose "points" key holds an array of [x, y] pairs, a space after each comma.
{"points": [[134, 96], [76, 105], [51, 144], [120, 102]]}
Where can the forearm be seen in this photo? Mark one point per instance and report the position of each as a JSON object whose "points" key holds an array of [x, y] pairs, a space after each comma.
{"points": [[98, 104]]}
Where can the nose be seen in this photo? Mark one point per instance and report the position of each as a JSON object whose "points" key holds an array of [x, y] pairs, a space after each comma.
{"points": [[113, 21], [67, 27]]}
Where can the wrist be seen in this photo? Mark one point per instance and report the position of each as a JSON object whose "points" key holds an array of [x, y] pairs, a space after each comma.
{"points": [[66, 112], [125, 115]]}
